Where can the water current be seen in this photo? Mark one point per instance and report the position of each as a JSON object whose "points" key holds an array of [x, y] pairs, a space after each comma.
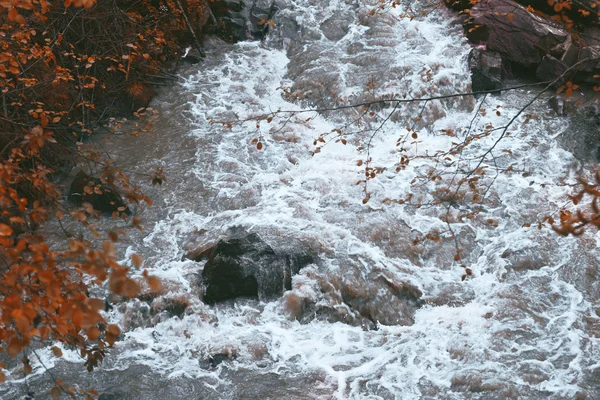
{"points": [[379, 315]]}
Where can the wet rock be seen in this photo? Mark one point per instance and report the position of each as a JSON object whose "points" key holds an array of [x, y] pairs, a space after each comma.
{"points": [[580, 11], [550, 69], [238, 20], [524, 38], [354, 299], [104, 198], [214, 360], [244, 265], [476, 383], [336, 27], [590, 65], [557, 104], [486, 70], [286, 31], [192, 56], [582, 138]]}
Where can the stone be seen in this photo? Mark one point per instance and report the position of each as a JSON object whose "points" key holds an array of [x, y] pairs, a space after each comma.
{"points": [[104, 198], [239, 21], [587, 16], [550, 69], [191, 56], [486, 70], [518, 35], [245, 265], [591, 53], [336, 27]]}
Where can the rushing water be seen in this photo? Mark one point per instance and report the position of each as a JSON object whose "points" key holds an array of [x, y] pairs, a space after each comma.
{"points": [[524, 325]]}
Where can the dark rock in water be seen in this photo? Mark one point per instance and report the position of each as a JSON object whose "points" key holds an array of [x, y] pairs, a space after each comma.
{"points": [[486, 70], [192, 56], [104, 198], [557, 104], [518, 35], [245, 265], [238, 21], [215, 360]]}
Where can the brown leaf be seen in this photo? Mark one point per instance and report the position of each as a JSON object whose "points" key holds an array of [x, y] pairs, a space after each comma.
{"points": [[55, 392], [154, 283], [5, 230], [137, 260], [56, 351], [113, 330], [93, 333]]}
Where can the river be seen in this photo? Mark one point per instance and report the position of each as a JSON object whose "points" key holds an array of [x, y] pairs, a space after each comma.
{"points": [[523, 324]]}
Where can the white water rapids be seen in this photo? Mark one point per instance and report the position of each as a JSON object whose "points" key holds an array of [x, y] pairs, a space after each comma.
{"points": [[522, 326]]}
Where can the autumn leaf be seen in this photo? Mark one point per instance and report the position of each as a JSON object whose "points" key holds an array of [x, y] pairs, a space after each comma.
{"points": [[56, 351], [154, 283], [93, 333], [5, 230], [137, 260], [55, 392]]}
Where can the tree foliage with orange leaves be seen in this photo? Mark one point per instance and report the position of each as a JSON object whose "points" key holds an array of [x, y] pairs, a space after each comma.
{"points": [[65, 69]]}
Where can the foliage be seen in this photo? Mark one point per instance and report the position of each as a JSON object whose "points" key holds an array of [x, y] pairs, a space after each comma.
{"points": [[65, 69]]}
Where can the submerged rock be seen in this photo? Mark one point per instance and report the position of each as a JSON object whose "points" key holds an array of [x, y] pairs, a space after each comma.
{"points": [[354, 299], [244, 265], [102, 197]]}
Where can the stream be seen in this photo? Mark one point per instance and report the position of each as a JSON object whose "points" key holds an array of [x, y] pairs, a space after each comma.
{"points": [[382, 313]]}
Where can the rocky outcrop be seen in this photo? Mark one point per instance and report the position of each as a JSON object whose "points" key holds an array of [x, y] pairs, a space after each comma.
{"points": [[515, 33], [244, 265], [102, 197], [526, 41], [580, 11]]}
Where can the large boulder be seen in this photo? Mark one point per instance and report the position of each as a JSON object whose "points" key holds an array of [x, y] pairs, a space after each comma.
{"points": [[244, 265], [580, 11], [517, 34], [486, 70]]}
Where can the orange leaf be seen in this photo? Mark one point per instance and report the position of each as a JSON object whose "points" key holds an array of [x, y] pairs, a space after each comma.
{"points": [[137, 260], [113, 236], [12, 14], [5, 230], [55, 392], [113, 330], [569, 92], [14, 347], [56, 351], [93, 333], [154, 283], [96, 304]]}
